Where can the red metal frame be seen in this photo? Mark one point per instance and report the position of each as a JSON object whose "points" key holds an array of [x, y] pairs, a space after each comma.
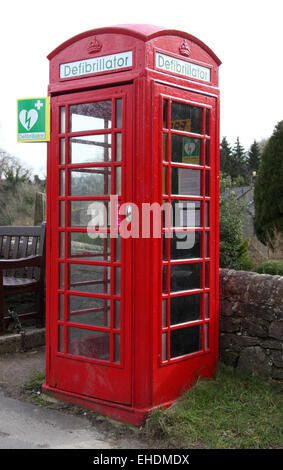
{"points": [[142, 380]]}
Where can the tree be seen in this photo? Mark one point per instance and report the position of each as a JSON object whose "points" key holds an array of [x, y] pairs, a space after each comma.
{"points": [[17, 191], [268, 194], [262, 144], [11, 169], [225, 157], [233, 251], [239, 163], [233, 161], [254, 156]]}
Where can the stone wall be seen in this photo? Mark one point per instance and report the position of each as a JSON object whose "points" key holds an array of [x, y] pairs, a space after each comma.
{"points": [[251, 322]]}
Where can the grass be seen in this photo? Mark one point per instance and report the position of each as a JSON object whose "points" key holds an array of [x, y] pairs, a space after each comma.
{"points": [[34, 383], [230, 412], [32, 387]]}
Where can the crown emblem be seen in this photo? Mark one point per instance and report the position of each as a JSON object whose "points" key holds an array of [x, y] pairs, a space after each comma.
{"points": [[94, 46], [185, 48]]}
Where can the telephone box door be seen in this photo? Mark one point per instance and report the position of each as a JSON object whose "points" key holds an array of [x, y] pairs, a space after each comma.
{"points": [[187, 133], [90, 285]]}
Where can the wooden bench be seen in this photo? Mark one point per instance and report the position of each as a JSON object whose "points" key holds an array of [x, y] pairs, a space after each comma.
{"points": [[22, 268]]}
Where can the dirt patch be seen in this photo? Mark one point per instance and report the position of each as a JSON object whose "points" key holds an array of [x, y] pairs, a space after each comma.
{"points": [[17, 368]]}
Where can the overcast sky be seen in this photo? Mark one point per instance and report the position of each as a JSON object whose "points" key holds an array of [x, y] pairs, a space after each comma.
{"points": [[245, 35]]}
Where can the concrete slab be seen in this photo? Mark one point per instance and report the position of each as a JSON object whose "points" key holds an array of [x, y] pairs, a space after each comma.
{"points": [[13, 342]]}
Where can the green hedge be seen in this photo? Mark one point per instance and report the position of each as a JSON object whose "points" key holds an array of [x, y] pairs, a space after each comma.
{"points": [[272, 266]]}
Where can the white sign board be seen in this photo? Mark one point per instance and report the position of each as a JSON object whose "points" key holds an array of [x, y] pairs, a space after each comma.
{"points": [[113, 62], [182, 67]]}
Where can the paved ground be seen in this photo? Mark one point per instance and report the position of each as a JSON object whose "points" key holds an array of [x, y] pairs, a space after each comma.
{"points": [[26, 425]]}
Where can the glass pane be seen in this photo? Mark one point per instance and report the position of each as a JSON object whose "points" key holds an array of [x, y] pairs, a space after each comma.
{"points": [[95, 344], [62, 182], [207, 121], [167, 214], [185, 117], [206, 245], [164, 312], [62, 245], [90, 149], [185, 341], [165, 247], [89, 278], [206, 305], [89, 214], [186, 213], [89, 311], [118, 180], [116, 348], [206, 222], [90, 181], [165, 180], [61, 339], [119, 112], [90, 116], [207, 155], [61, 307], [86, 246], [184, 309], [207, 274], [118, 248], [207, 175], [62, 119], [62, 213], [186, 150], [117, 281], [165, 147], [164, 347], [61, 276], [165, 114], [62, 151], [185, 181], [117, 314], [164, 279], [185, 245], [118, 147], [185, 277]]}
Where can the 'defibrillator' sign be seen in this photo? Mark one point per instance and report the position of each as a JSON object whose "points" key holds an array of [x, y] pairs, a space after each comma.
{"points": [[33, 119]]}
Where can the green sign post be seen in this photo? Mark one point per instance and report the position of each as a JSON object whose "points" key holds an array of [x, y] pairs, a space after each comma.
{"points": [[33, 120]]}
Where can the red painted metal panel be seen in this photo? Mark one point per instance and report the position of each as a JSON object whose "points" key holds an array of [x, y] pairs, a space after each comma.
{"points": [[144, 32]]}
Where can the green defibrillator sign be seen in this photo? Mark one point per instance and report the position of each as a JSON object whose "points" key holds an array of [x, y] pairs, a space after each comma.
{"points": [[191, 151], [33, 120]]}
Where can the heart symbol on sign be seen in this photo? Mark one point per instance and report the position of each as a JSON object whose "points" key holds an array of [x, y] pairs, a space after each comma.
{"points": [[189, 148], [28, 118]]}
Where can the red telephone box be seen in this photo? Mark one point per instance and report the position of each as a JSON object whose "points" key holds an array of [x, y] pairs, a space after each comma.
{"points": [[132, 314]]}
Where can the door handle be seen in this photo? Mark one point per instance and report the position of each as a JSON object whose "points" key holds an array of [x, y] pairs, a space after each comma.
{"points": [[129, 213]]}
